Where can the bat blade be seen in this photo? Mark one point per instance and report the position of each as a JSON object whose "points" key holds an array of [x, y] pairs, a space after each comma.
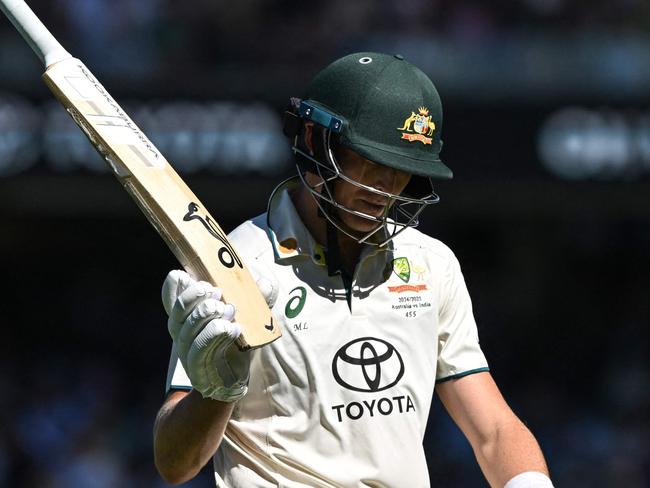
{"points": [[193, 235]]}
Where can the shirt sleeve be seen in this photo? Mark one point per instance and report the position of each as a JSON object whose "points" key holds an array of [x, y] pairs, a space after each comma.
{"points": [[459, 352], [176, 376]]}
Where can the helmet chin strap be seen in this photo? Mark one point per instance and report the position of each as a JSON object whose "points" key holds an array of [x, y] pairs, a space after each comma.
{"points": [[335, 264], [326, 211], [333, 250]]}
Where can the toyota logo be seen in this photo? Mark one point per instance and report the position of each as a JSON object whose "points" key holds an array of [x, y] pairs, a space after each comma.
{"points": [[367, 364]]}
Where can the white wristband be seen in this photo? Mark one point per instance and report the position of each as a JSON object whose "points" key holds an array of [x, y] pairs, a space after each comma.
{"points": [[530, 479]]}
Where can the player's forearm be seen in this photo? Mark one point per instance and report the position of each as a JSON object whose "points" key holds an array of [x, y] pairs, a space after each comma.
{"points": [[511, 450], [187, 432]]}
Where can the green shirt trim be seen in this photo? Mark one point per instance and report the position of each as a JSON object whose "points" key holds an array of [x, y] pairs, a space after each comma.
{"points": [[463, 374]]}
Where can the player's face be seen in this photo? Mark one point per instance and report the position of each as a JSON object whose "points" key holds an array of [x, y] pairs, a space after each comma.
{"points": [[374, 175]]}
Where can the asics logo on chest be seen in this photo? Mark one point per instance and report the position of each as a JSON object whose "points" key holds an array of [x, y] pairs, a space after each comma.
{"points": [[294, 305]]}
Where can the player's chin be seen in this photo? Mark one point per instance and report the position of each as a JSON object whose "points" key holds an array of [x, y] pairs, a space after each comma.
{"points": [[360, 225]]}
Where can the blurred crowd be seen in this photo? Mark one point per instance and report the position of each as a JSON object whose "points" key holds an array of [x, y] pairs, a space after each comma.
{"points": [[258, 48], [195, 34]]}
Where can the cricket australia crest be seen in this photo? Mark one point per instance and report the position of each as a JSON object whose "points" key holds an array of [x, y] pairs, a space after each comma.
{"points": [[402, 268], [417, 127]]}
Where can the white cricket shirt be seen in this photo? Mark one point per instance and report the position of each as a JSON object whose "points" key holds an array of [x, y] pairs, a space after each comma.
{"points": [[342, 398]]}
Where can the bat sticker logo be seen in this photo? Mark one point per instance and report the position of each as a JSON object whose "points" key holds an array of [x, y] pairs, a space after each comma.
{"points": [[226, 253], [120, 113]]}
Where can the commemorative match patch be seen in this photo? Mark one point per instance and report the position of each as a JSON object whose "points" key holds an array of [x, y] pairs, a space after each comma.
{"points": [[418, 127], [406, 298]]}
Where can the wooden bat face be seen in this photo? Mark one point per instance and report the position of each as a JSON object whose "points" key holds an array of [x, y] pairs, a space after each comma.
{"points": [[193, 235]]}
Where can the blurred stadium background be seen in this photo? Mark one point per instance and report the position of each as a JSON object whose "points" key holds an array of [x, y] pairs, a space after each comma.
{"points": [[547, 128]]}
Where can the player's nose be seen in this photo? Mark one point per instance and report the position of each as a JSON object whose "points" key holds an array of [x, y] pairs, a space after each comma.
{"points": [[385, 178]]}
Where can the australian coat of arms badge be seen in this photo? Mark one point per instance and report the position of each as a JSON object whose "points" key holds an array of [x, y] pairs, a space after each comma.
{"points": [[418, 127]]}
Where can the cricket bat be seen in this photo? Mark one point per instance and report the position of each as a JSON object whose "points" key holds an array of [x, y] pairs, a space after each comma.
{"points": [[193, 235]]}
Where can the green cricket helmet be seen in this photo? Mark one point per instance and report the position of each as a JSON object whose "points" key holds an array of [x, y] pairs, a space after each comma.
{"points": [[388, 111]]}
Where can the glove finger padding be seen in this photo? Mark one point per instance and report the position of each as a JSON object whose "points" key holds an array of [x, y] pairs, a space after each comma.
{"points": [[205, 311], [268, 290], [267, 284], [190, 298], [176, 282], [217, 368]]}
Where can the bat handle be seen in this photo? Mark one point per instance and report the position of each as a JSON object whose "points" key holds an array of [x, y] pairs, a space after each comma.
{"points": [[42, 42]]}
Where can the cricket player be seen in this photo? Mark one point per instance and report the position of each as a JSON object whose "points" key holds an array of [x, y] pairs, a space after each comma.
{"points": [[375, 314]]}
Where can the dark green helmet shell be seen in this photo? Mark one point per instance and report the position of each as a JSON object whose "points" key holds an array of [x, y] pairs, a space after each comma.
{"points": [[390, 111]]}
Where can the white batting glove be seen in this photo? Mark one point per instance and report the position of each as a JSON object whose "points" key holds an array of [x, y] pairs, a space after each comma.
{"points": [[204, 334], [267, 284]]}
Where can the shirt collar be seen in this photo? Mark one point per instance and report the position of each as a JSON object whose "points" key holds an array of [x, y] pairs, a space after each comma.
{"points": [[288, 233]]}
